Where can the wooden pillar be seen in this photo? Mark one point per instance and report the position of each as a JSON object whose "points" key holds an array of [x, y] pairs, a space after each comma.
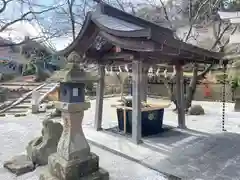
{"points": [[136, 102], [180, 97], [99, 99], [144, 85]]}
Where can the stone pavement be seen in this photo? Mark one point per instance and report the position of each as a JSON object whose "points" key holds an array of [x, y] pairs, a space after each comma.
{"points": [[212, 157], [203, 152], [118, 167], [211, 122], [188, 154], [215, 157], [15, 133]]}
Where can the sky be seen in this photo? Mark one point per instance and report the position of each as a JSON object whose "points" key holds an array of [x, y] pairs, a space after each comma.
{"points": [[21, 29]]}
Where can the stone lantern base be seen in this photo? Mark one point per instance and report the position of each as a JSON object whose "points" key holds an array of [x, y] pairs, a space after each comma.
{"points": [[73, 159], [61, 169]]}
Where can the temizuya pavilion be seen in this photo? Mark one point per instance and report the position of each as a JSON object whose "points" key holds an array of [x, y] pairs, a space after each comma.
{"points": [[110, 36]]}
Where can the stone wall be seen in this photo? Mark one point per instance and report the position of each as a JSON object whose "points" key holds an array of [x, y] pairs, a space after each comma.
{"points": [[216, 91], [112, 86]]}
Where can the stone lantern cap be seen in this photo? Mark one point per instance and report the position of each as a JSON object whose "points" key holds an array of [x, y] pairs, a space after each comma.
{"points": [[72, 73]]}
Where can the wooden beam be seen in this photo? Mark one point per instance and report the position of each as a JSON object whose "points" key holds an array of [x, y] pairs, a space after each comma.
{"points": [[180, 97], [132, 44], [136, 102], [99, 99], [118, 56]]}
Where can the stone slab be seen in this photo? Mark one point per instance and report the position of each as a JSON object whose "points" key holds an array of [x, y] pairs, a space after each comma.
{"points": [[19, 165], [34, 109], [100, 174], [70, 170]]}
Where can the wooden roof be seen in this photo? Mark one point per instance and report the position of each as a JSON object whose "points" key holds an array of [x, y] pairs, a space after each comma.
{"points": [[107, 27]]}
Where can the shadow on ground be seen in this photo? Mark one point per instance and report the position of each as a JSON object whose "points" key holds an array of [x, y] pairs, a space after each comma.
{"points": [[194, 155], [212, 157]]}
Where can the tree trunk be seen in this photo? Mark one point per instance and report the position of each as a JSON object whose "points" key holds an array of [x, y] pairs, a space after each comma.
{"points": [[191, 88]]}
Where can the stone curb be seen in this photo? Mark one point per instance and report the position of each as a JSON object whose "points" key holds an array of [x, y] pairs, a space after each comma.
{"points": [[99, 145], [105, 96]]}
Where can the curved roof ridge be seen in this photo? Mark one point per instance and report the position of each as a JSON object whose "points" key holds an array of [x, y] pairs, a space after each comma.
{"points": [[75, 43], [112, 11]]}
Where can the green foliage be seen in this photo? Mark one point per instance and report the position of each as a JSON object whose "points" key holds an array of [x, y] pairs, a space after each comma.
{"points": [[234, 83], [30, 69], [220, 77], [89, 88], [41, 75], [230, 5]]}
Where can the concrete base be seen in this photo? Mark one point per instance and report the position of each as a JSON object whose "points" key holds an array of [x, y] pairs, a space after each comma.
{"points": [[100, 174], [59, 168]]}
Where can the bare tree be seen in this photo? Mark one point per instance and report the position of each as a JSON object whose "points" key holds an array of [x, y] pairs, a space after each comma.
{"points": [[195, 15], [16, 11], [68, 18]]}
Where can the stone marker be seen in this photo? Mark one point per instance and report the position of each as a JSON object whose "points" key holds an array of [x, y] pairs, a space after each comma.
{"points": [[3, 94], [40, 148], [73, 159], [19, 165], [196, 110], [35, 101]]}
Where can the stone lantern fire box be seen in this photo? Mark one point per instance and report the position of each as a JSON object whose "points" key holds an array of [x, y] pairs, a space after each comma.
{"points": [[72, 92], [73, 159]]}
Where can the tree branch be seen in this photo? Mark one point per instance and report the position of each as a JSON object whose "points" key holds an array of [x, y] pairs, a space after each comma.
{"points": [[120, 5], [165, 13], [24, 17], [195, 18], [72, 19], [4, 5], [203, 74]]}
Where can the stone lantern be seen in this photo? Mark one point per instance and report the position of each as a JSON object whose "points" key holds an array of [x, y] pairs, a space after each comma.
{"points": [[73, 159]]}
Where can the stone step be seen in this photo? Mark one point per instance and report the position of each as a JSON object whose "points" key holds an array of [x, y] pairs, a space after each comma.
{"points": [[28, 100], [47, 87], [16, 111], [21, 106], [25, 105], [43, 91], [20, 84], [50, 85], [101, 174]]}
